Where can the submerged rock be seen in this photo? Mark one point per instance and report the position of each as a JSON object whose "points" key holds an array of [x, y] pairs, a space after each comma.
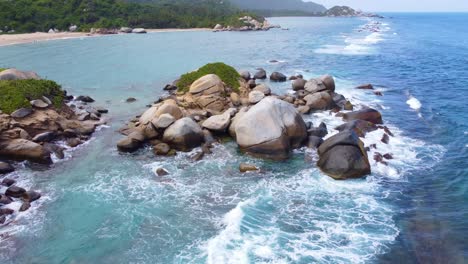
{"points": [[278, 77], [244, 167], [15, 191], [343, 156], [271, 129], [260, 74], [5, 168]]}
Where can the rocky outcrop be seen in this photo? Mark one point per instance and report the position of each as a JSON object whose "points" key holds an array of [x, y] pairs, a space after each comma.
{"points": [[271, 128], [367, 114], [343, 156]]}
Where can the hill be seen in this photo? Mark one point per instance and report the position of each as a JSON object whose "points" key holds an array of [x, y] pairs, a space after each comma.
{"points": [[278, 7], [33, 15]]}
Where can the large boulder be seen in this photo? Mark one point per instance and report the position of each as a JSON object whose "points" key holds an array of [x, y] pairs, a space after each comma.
{"points": [[278, 77], [255, 97], [206, 85], [260, 74], [208, 93], [367, 114], [263, 88], [14, 74], [22, 149], [319, 101], [314, 86], [218, 123], [132, 142], [329, 82], [298, 84], [343, 156], [184, 134], [270, 129]]}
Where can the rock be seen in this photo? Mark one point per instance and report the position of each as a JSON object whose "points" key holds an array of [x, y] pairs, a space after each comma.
{"points": [[126, 30], [367, 114], [101, 110], [73, 142], [25, 206], [319, 101], [245, 75], [314, 142], [39, 104], [278, 77], [198, 156], [314, 86], [15, 191], [5, 199], [2, 218], [317, 131], [184, 134], [271, 128], [360, 127], [161, 172], [303, 109], [298, 84], [5, 168], [244, 167], [130, 100], [128, 144], [348, 106], [263, 88], [46, 100], [206, 85], [31, 196], [57, 150], [235, 99], [85, 99], [218, 27], [255, 97], [22, 112], [343, 156], [150, 132], [329, 82], [139, 31], [385, 138], [161, 149], [14, 74], [163, 121], [251, 83], [6, 211], [72, 28], [234, 121], [45, 137], [218, 123], [378, 93], [8, 182], [260, 74], [156, 111], [23, 149], [388, 156], [365, 87]]}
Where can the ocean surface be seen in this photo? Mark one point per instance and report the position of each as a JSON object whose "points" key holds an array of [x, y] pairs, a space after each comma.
{"points": [[100, 206]]}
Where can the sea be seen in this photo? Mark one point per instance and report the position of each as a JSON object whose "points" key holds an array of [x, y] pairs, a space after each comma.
{"points": [[102, 206]]}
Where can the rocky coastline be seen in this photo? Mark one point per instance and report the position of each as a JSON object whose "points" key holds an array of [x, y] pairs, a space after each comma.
{"points": [[263, 124], [36, 132]]}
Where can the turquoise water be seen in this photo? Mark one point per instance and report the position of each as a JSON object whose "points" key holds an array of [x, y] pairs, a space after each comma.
{"points": [[100, 206]]}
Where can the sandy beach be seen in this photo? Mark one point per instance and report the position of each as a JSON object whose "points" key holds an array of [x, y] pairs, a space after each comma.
{"points": [[12, 39]]}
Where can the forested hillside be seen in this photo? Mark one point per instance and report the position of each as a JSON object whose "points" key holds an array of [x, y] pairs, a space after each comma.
{"points": [[41, 15], [280, 7]]}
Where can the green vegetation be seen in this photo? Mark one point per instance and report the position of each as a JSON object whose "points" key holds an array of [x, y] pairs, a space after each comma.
{"points": [[42, 15], [2, 69], [18, 93], [228, 75]]}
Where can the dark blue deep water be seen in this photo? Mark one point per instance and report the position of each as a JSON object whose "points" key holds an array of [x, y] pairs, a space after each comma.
{"points": [[103, 207]]}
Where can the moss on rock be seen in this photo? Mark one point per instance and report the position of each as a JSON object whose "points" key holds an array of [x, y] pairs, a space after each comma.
{"points": [[15, 94], [228, 75]]}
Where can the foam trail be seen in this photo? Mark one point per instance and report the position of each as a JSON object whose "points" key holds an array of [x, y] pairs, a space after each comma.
{"points": [[415, 104]]}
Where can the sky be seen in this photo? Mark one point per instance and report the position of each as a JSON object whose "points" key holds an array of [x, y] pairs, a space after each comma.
{"points": [[401, 5]]}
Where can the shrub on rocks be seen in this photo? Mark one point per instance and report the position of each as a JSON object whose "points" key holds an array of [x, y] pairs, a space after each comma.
{"points": [[228, 75]]}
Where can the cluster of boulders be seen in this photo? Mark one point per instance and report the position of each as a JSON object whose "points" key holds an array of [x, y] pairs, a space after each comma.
{"points": [[250, 24], [109, 31], [263, 124], [32, 133], [13, 193]]}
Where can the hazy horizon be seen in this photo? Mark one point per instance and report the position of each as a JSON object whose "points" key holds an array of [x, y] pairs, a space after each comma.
{"points": [[400, 5]]}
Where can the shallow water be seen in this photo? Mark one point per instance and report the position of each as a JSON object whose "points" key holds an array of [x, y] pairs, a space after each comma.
{"points": [[104, 207]]}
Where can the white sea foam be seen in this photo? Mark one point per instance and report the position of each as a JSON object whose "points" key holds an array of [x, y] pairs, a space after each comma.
{"points": [[414, 103]]}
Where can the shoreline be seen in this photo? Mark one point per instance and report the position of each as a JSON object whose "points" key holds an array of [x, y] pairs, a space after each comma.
{"points": [[25, 38]]}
